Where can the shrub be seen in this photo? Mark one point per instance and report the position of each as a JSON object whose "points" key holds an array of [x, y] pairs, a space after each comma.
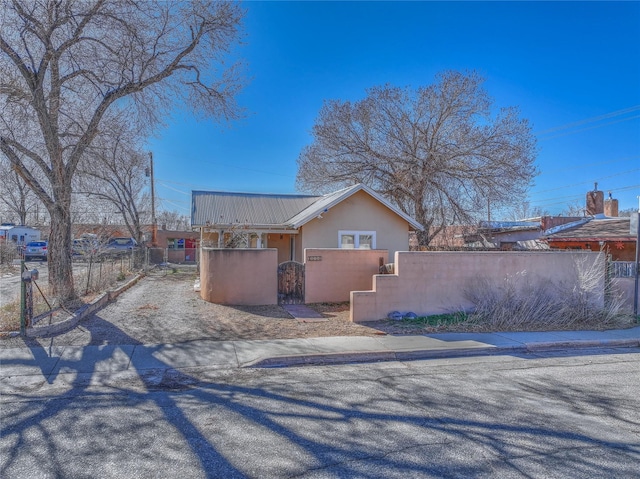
{"points": [[526, 302]]}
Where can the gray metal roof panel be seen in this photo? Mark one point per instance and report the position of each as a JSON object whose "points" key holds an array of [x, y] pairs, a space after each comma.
{"points": [[224, 208], [265, 210], [600, 228]]}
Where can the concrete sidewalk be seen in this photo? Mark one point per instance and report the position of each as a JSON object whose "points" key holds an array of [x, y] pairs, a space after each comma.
{"points": [[29, 365]]}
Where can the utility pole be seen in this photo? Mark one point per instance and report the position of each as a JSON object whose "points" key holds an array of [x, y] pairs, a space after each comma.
{"points": [[635, 218], [154, 225]]}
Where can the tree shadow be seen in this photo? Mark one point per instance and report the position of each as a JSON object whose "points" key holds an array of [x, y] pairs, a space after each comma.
{"points": [[224, 419]]}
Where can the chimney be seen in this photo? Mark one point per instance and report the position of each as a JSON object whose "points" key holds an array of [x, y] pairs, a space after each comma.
{"points": [[611, 207], [595, 202]]}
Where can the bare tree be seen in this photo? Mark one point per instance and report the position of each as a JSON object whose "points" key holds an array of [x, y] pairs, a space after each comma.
{"points": [[67, 65], [173, 220], [114, 171], [626, 213], [17, 199], [524, 210], [435, 152], [574, 209]]}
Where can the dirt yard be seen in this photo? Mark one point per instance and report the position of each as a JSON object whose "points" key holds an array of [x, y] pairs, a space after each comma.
{"points": [[164, 308]]}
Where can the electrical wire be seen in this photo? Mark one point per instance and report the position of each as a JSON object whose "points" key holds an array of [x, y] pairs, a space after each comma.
{"points": [[589, 120]]}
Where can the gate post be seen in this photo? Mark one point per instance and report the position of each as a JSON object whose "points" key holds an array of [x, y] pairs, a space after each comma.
{"points": [[26, 297]]}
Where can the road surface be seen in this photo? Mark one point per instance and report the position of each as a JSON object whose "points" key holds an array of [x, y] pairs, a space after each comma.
{"points": [[533, 416]]}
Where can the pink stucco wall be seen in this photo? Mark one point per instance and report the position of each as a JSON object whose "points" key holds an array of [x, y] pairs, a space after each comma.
{"points": [[331, 273], [239, 276], [623, 288], [434, 282]]}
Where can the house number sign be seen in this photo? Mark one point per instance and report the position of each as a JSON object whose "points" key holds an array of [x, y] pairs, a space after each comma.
{"points": [[314, 258]]}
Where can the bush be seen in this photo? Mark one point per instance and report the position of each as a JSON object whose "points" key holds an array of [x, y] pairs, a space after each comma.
{"points": [[522, 302]]}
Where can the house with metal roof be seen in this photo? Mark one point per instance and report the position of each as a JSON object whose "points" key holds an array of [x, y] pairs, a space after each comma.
{"points": [[611, 235], [355, 217]]}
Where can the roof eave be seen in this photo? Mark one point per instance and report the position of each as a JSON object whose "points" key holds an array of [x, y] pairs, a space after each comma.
{"points": [[349, 192]]}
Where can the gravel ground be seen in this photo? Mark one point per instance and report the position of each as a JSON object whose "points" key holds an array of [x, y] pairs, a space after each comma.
{"points": [[164, 308]]}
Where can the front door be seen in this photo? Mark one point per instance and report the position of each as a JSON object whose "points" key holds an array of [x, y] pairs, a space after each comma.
{"points": [[291, 283]]}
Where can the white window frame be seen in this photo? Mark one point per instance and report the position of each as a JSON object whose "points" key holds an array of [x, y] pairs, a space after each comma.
{"points": [[356, 235]]}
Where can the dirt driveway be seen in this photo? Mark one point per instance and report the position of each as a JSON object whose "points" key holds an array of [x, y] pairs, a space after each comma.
{"points": [[164, 308]]}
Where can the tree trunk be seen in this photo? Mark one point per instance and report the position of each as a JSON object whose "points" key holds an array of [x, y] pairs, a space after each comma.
{"points": [[423, 238], [59, 253]]}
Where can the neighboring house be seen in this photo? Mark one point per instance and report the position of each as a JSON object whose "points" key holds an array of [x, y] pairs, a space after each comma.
{"points": [[20, 235], [354, 217], [178, 246], [545, 232], [611, 235]]}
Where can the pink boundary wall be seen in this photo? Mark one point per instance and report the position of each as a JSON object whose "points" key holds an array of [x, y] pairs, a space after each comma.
{"points": [[239, 276], [624, 288], [332, 273], [434, 282]]}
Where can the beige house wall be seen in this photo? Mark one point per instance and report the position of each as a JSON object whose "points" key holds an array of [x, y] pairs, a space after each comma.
{"points": [[359, 212], [331, 274], [281, 242], [239, 276], [434, 282]]}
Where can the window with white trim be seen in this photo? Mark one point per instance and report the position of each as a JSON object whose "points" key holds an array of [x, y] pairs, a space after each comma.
{"points": [[356, 239]]}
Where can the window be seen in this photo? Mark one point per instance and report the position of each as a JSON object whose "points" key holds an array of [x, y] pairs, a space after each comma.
{"points": [[357, 239], [175, 243]]}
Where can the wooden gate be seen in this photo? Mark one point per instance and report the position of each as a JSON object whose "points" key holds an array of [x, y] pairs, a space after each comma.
{"points": [[291, 283]]}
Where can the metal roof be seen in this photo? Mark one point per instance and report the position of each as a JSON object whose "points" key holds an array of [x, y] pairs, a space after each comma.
{"points": [[594, 230], [258, 209], [218, 208]]}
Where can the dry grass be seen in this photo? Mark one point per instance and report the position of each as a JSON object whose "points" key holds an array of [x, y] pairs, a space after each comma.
{"points": [[524, 303], [89, 283]]}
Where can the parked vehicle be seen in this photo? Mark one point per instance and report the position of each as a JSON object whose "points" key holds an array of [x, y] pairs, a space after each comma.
{"points": [[85, 247], [36, 249], [123, 245]]}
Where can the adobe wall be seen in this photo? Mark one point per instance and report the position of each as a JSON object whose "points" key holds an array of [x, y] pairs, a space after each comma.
{"points": [[434, 282], [623, 287], [332, 273], [239, 276]]}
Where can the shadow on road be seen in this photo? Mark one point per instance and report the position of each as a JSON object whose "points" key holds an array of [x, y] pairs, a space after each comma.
{"points": [[298, 427]]}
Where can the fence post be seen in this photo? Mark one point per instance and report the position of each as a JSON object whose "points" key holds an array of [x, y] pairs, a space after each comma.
{"points": [[23, 299], [26, 298]]}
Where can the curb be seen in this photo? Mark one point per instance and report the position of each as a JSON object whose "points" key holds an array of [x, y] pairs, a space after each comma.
{"points": [[83, 312], [584, 344], [318, 359]]}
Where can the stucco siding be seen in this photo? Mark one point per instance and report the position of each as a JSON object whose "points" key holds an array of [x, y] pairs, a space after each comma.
{"points": [[239, 276], [359, 212], [331, 274], [435, 282]]}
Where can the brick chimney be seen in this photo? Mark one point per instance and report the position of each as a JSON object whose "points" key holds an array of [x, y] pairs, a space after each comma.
{"points": [[611, 207], [595, 202]]}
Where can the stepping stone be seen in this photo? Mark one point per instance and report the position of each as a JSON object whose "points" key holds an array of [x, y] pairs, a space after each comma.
{"points": [[303, 313]]}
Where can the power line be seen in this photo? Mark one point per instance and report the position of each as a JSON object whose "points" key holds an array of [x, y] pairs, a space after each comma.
{"points": [[583, 166], [589, 120], [571, 198], [174, 189], [586, 182], [590, 128]]}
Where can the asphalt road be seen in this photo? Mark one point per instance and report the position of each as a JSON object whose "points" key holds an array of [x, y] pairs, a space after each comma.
{"points": [[542, 416]]}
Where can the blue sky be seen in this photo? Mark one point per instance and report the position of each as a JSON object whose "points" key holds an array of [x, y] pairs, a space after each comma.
{"points": [[573, 69]]}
